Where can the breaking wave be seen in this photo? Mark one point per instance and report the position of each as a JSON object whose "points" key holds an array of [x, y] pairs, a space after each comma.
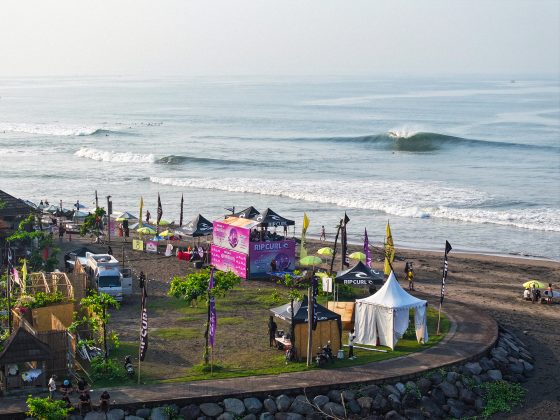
{"points": [[407, 199], [120, 157], [178, 160], [58, 130]]}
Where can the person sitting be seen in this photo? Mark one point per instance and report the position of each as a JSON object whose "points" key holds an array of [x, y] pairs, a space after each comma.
{"points": [[527, 294], [66, 387], [82, 385], [104, 401], [84, 403], [534, 292], [66, 400]]}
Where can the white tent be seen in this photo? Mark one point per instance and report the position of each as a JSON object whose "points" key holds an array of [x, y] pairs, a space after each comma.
{"points": [[385, 315]]}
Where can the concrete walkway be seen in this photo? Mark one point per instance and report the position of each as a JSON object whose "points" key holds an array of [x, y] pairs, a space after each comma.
{"points": [[471, 335]]}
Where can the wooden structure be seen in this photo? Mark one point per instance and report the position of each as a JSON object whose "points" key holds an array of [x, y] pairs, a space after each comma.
{"points": [[23, 362], [12, 211], [346, 312], [329, 327]]}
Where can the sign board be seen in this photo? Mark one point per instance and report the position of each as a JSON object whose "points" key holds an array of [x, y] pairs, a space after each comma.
{"points": [[261, 255], [137, 245], [151, 246], [232, 237], [227, 260]]}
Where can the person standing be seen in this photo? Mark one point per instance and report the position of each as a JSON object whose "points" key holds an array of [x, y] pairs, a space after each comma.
{"points": [[410, 277], [52, 386], [323, 236], [351, 338], [272, 327], [550, 294], [147, 216]]}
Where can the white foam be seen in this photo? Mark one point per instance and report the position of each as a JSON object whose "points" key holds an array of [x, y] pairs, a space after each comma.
{"points": [[403, 133], [414, 199], [50, 129], [120, 157]]}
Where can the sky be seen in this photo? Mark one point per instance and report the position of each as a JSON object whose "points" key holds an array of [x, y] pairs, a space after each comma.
{"points": [[261, 37]]}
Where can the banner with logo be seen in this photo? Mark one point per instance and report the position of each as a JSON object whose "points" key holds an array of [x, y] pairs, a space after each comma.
{"points": [[231, 237], [227, 260], [261, 255], [151, 246], [144, 325], [137, 245]]}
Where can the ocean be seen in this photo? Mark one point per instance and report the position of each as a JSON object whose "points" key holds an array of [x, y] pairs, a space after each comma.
{"points": [[475, 161]]}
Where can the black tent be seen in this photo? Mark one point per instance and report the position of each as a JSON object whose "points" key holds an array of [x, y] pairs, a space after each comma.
{"points": [[248, 213], [199, 226], [272, 219], [359, 275], [300, 309]]}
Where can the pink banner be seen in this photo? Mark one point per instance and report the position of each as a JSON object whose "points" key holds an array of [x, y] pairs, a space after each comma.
{"points": [[231, 237], [272, 256], [227, 260]]}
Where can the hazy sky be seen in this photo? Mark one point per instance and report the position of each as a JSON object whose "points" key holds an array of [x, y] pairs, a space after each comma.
{"points": [[180, 37]]}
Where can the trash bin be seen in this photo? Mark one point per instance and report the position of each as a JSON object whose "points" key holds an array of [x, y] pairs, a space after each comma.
{"points": [[340, 354]]}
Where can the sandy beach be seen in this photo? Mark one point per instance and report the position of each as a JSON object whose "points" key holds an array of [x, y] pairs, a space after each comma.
{"points": [[489, 283]]}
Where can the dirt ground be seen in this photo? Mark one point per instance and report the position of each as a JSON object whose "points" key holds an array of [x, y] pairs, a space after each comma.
{"points": [[490, 283]]}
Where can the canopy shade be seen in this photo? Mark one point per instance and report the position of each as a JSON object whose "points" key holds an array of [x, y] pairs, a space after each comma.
{"points": [[249, 213], [359, 275], [199, 226], [300, 310], [271, 219], [126, 216]]}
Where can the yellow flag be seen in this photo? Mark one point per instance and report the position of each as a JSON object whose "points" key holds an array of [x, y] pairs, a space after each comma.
{"points": [[141, 207], [389, 250], [305, 222], [24, 274]]}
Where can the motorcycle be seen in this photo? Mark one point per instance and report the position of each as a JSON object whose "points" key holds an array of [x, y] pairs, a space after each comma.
{"points": [[128, 365], [324, 355]]}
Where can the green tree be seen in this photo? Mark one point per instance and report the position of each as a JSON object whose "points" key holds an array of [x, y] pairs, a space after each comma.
{"points": [[194, 287], [46, 409], [96, 307], [25, 236], [92, 223]]}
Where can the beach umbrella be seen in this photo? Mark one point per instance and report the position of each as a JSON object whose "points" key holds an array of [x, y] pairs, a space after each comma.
{"points": [[126, 216], [146, 231], [310, 260], [360, 256], [52, 208], [327, 252], [164, 222], [157, 238], [322, 274], [538, 284], [136, 226], [30, 204], [166, 234]]}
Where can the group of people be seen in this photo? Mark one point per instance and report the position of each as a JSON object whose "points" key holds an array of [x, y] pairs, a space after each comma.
{"points": [[84, 399], [534, 294]]}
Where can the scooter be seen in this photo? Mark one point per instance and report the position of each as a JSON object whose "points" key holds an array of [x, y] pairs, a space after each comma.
{"points": [[128, 365], [321, 359]]}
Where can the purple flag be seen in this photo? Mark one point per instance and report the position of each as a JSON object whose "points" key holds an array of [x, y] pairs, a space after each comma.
{"points": [[212, 309], [366, 249]]}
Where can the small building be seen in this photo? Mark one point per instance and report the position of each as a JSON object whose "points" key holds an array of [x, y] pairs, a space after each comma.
{"points": [[23, 362], [12, 211]]}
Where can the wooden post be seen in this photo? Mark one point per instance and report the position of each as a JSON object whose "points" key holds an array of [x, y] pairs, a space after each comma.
{"points": [[309, 326], [439, 318]]}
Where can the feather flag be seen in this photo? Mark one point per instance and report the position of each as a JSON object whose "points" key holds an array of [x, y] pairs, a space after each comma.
{"points": [[448, 248], [181, 215], [302, 249], [159, 209], [144, 324], [212, 310], [24, 274], [389, 250], [366, 249], [141, 208]]}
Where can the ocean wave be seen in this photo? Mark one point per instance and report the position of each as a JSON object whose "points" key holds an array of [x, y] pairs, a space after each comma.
{"points": [[413, 199], [57, 130], [178, 160], [120, 157]]}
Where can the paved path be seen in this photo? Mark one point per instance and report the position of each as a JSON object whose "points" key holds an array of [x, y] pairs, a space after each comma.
{"points": [[472, 334]]}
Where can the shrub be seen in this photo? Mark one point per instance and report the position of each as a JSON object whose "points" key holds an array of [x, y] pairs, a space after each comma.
{"points": [[109, 370], [46, 409]]}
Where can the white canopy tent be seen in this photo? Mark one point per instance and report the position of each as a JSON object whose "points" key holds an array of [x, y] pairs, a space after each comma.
{"points": [[385, 315]]}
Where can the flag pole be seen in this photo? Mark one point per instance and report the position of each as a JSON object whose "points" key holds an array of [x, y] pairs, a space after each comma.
{"points": [[212, 361], [439, 318]]}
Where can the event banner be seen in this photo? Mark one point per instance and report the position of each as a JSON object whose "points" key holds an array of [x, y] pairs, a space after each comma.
{"points": [[262, 255], [227, 260], [231, 237], [137, 245], [151, 246]]}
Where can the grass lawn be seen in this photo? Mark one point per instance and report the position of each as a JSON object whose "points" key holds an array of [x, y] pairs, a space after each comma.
{"points": [[176, 338]]}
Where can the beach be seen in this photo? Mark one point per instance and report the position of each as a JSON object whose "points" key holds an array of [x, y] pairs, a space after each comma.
{"points": [[492, 284]]}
